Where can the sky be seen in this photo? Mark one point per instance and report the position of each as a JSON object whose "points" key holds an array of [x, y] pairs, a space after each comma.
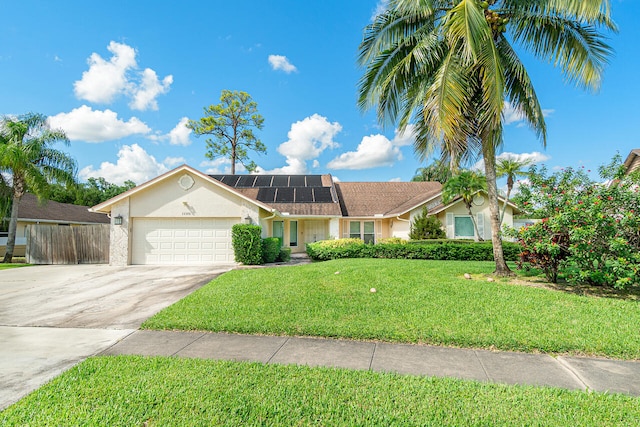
{"points": [[122, 77]]}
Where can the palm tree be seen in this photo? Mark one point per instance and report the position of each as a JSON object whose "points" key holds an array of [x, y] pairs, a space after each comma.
{"points": [[449, 65], [465, 185], [512, 169], [26, 153], [437, 171]]}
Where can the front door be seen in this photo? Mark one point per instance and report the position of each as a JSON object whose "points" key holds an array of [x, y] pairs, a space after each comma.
{"points": [[314, 231]]}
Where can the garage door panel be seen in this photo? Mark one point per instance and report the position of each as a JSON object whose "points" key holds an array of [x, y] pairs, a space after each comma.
{"points": [[180, 241]]}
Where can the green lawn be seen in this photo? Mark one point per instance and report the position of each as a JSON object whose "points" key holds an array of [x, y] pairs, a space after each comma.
{"points": [[7, 266], [416, 302], [138, 391]]}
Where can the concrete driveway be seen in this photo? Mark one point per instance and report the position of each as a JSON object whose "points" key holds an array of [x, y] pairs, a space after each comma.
{"points": [[54, 316]]}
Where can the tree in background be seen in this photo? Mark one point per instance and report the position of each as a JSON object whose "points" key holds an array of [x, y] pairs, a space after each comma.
{"points": [[91, 193], [465, 185], [437, 171], [231, 123], [512, 169], [28, 156], [425, 226], [451, 67]]}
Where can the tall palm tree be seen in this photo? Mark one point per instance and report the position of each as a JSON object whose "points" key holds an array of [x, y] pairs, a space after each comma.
{"points": [[465, 185], [27, 155], [512, 169], [450, 66]]}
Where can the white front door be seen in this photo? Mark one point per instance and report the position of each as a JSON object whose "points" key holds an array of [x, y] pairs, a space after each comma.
{"points": [[314, 231]]}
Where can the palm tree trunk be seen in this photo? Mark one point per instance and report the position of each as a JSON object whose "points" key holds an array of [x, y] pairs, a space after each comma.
{"points": [[13, 226], [489, 154], [504, 208]]}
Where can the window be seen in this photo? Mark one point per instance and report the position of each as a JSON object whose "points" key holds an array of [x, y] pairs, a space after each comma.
{"points": [[463, 227], [293, 233], [278, 230], [369, 235], [354, 229], [364, 230]]}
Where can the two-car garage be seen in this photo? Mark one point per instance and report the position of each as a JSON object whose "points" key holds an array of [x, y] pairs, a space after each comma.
{"points": [[188, 241]]}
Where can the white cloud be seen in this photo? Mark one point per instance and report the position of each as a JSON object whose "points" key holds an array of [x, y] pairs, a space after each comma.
{"points": [[144, 96], [174, 161], [532, 158], [279, 62], [105, 80], [373, 151], [221, 165], [179, 135], [133, 163], [398, 179], [85, 124], [380, 8], [510, 114], [308, 138]]}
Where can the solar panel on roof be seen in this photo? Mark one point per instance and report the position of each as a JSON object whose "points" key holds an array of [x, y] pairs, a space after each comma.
{"points": [[246, 181], [263, 181], [322, 195], [304, 195], [285, 195], [296, 181], [314, 181], [230, 180], [280, 181], [267, 194], [218, 177]]}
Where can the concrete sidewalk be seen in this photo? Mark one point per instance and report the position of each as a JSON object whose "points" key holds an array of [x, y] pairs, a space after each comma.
{"points": [[576, 373]]}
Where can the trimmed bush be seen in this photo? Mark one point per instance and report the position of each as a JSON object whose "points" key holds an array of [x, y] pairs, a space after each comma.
{"points": [[247, 243], [284, 255], [441, 250], [270, 249], [425, 226], [393, 240]]}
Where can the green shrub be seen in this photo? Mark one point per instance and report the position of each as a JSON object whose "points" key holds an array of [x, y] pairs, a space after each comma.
{"points": [[247, 243], [270, 249], [441, 250], [394, 240], [284, 255], [425, 226]]}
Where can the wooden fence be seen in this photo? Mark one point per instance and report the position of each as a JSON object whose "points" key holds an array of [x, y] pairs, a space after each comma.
{"points": [[54, 244]]}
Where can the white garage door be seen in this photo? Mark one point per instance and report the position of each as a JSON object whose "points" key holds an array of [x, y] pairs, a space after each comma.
{"points": [[182, 241]]}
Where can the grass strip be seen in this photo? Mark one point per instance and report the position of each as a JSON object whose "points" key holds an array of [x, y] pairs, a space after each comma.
{"points": [[142, 391], [415, 302]]}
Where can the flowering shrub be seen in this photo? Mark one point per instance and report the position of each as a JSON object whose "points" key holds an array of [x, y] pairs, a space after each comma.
{"points": [[589, 229]]}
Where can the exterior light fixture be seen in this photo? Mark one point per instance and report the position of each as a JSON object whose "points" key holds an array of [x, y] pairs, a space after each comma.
{"points": [[117, 220], [248, 220]]}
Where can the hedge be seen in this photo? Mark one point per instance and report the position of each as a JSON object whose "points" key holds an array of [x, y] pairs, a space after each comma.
{"points": [[440, 250], [247, 243]]}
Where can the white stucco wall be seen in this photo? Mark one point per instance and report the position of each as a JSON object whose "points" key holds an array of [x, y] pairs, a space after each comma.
{"points": [[119, 236], [167, 199]]}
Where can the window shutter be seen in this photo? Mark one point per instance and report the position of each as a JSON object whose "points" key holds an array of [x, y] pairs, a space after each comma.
{"points": [[450, 229], [480, 221]]}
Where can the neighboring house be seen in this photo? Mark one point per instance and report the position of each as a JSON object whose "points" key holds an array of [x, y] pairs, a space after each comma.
{"points": [[185, 216], [632, 163], [32, 211]]}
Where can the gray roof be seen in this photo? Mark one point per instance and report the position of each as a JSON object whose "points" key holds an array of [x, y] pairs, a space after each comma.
{"points": [[30, 209]]}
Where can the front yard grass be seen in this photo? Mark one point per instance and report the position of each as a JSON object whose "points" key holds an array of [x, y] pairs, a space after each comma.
{"points": [[139, 391], [4, 266], [416, 302]]}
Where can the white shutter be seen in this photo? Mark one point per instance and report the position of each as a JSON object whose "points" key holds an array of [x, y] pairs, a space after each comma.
{"points": [[480, 222], [450, 226]]}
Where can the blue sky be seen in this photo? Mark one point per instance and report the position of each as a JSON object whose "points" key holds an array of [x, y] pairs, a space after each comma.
{"points": [[121, 77]]}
